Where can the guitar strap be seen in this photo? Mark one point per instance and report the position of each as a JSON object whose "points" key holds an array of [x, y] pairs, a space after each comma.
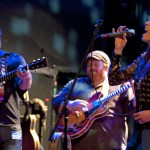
{"points": [[103, 88]]}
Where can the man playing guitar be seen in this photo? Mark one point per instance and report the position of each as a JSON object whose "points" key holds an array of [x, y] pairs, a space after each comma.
{"points": [[106, 125], [14, 82]]}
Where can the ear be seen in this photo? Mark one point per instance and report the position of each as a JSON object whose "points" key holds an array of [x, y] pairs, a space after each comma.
{"points": [[106, 68]]}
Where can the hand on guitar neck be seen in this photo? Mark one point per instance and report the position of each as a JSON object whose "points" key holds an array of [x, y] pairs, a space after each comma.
{"points": [[39, 63]]}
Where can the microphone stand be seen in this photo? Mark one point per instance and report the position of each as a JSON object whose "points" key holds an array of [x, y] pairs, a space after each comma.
{"points": [[64, 111]]}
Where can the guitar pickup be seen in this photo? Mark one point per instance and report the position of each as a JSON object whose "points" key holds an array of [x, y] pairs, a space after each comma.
{"points": [[96, 103]]}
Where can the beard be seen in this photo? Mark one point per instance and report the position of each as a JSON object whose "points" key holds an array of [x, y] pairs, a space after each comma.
{"points": [[94, 75]]}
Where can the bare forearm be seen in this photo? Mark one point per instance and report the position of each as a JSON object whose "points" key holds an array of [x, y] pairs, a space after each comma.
{"points": [[118, 51]]}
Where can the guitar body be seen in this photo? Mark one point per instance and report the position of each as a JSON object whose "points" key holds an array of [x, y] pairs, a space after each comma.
{"points": [[78, 122], [30, 137]]}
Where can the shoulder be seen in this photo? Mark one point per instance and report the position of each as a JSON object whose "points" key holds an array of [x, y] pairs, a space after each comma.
{"points": [[2, 53], [83, 79], [80, 80], [16, 59], [11, 54], [15, 55], [138, 59]]}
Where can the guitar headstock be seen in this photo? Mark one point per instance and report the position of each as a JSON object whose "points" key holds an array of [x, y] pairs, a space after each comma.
{"points": [[39, 63]]}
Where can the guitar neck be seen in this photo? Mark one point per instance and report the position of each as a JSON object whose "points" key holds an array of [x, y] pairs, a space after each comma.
{"points": [[39, 63], [99, 102], [10, 75], [112, 94]]}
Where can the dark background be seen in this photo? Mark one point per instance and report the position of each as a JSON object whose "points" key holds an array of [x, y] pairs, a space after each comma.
{"points": [[62, 30]]}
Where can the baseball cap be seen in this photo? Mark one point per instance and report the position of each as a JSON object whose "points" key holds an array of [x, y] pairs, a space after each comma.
{"points": [[99, 55]]}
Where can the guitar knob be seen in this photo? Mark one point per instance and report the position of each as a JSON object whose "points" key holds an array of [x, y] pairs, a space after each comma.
{"points": [[70, 129], [75, 125]]}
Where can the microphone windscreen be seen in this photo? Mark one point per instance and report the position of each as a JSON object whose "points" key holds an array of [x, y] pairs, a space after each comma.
{"points": [[130, 32]]}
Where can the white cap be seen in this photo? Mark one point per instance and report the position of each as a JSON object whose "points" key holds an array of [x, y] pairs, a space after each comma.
{"points": [[99, 55]]}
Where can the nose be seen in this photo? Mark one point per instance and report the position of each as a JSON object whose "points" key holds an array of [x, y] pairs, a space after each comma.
{"points": [[92, 66]]}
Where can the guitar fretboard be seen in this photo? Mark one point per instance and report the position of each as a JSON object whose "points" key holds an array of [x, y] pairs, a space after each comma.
{"points": [[9, 75], [39, 63], [100, 101]]}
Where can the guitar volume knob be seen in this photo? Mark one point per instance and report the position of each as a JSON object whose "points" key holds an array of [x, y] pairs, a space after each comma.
{"points": [[75, 125]]}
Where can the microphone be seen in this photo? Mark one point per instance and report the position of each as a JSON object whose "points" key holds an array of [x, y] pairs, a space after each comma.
{"points": [[128, 32]]}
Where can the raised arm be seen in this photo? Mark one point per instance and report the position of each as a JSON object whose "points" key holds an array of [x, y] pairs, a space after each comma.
{"points": [[118, 75]]}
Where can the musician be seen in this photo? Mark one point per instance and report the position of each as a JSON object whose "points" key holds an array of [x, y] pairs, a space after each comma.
{"points": [[12, 89], [108, 131], [139, 70]]}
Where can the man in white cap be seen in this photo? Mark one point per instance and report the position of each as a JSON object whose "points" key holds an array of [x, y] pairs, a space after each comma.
{"points": [[108, 131]]}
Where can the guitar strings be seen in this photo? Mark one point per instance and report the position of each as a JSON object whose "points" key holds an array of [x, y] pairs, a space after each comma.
{"points": [[115, 114]]}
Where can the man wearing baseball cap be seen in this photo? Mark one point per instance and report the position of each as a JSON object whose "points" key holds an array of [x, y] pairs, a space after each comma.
{"points": [[105, 130]]}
